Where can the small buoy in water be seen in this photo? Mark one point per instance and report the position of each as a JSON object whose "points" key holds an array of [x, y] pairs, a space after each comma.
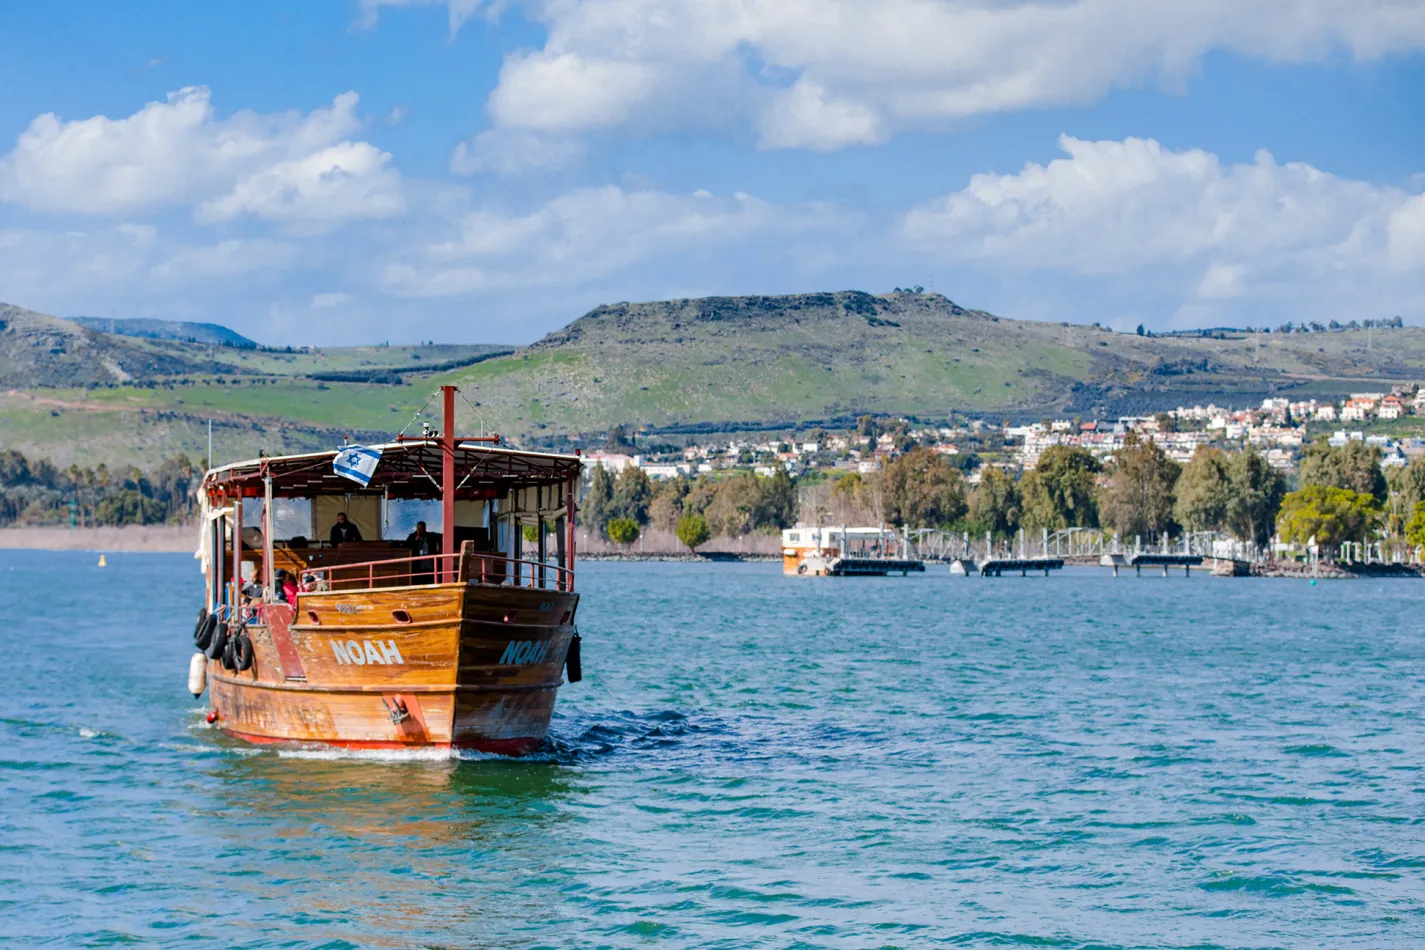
{"points": [[212, 717], [102, 562], [1313, 583], [198, 674]]}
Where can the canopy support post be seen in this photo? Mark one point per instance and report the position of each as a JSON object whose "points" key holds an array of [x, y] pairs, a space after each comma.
{"points": [[236, 601], [571, 506], [268, 593], [447, 485]]}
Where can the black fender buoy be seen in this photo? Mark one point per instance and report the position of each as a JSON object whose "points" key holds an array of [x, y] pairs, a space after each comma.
{"points": [[571, 660], [242, 653], [203, 633], [801, 568], [227, 660], [218, 642]]}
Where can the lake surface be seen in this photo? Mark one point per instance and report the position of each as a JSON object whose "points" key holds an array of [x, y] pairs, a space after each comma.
{"points": [[752, 761]]}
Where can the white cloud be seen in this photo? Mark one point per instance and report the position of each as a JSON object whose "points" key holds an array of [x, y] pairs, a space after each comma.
{"points": [[588, 235], [328, 300], [515, 152], [315, 193], [179, 152], [134, 268], [1181, 224], [460, 10], [1407, 234], [806, 117], [825, 73], [224, 260], [564, 92], [1222, 281]]}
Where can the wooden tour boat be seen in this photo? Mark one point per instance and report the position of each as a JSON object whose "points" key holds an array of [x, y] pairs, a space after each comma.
{"points": [[458, 639]]}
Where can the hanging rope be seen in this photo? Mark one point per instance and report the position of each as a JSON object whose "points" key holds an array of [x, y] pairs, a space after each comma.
{"points": [[417, 415], [484, 429]]}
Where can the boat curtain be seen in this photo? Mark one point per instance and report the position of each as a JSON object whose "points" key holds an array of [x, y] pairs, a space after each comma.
{"points": [[526, 505], [364, 511], [207, 514]]}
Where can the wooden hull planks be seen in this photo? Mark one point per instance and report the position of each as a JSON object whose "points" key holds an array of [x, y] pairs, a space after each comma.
{"points": [[444, 666]]}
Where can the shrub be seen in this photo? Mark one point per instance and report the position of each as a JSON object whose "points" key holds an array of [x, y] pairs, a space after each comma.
{"points": [[693, 530], [622, 530]]}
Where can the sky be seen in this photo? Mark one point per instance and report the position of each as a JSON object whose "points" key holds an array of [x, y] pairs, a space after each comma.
{"points": [[338, 172]]}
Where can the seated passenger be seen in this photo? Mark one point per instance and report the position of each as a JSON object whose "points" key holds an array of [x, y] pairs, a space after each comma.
{"points": [[287, 587], [344, 531]]}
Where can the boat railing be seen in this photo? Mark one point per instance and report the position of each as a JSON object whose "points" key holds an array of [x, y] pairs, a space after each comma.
{"points": [[466, 567]]}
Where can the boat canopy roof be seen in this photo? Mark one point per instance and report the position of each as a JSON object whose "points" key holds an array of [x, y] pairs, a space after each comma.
{"points": [[410, 468]]}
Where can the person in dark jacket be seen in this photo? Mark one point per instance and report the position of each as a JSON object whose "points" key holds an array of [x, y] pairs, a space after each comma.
{"points": [[344, 530], [421, 543]]}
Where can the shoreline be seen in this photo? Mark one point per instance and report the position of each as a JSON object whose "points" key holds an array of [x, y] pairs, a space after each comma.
{"points": [[181, 539], [157, 538]]}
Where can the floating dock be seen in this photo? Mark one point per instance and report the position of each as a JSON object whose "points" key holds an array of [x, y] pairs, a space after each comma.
{"points": [[997, 566], [1139, 561], [873, 567]]}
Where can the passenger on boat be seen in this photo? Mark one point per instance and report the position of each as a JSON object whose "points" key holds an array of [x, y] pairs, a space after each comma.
{"points": [[288, 585], [251, 600], [344, 531], [420, 544]]}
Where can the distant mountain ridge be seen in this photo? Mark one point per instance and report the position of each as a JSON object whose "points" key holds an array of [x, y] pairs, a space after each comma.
{"points": [[39, 350], [147, 329], [685, 366]]}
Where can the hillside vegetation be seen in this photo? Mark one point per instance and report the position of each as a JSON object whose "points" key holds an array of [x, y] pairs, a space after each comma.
{"points": [[681, 366], [689, 365]]}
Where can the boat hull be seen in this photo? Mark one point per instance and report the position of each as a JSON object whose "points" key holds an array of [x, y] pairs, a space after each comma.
{"points": [[463, 666]]}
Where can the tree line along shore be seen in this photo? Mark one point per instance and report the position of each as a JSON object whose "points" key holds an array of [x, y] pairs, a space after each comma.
{"points": [[1340, 494]]}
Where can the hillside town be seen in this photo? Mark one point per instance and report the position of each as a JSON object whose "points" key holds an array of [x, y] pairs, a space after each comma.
{"points": [[1278, 428]]}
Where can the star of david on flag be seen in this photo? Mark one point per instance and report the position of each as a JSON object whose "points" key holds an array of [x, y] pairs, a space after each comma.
{"points": [[357, 462]]}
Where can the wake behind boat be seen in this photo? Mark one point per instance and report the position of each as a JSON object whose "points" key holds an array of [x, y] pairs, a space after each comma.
{"points": [[312, 634]]}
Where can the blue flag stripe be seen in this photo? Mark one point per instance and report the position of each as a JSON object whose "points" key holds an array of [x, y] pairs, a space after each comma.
{"points": [[356, 462]]}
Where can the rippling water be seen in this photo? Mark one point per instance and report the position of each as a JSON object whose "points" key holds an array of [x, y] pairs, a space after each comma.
{"points": [[752, 761]]}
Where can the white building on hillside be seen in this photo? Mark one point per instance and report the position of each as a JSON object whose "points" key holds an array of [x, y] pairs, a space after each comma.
{"points": [[612, 461]]}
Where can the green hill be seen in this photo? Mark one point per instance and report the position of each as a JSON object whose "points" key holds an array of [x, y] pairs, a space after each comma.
{"points": [[690, 365], [681, 366]]}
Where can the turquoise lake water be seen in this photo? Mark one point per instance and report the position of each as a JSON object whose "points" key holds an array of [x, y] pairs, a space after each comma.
{"points": [[752, 761]]}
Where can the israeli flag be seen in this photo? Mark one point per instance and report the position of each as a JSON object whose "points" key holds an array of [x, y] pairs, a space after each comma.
{"points": [[357, 462]]}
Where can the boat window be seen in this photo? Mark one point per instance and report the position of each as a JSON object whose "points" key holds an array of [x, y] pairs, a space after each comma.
{"points": [[794, 536], [252, 512], [291, 517], [402, 515]]}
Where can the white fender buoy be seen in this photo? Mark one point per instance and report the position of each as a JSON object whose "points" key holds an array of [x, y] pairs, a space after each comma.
{"points": [[198, 674]]}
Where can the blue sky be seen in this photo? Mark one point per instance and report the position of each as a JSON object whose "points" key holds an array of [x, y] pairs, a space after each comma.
{"points": [[363, 170]]}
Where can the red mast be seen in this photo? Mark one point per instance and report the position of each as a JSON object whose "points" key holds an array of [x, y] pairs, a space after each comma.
{"points": [[447, 483]]}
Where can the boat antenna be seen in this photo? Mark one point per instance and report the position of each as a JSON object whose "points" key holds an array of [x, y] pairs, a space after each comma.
{"points": [[417, 415]]}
